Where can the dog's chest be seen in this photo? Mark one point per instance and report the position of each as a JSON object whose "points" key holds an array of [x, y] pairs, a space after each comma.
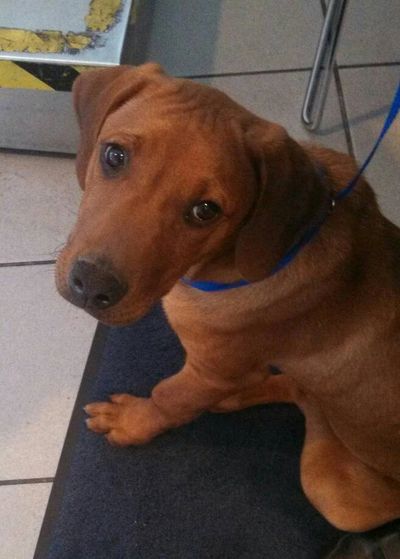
{"points": [[228, 311]]}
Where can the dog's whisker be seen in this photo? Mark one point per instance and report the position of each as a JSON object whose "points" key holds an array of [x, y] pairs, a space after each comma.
{"points": [[56, 251], [72, 212]]}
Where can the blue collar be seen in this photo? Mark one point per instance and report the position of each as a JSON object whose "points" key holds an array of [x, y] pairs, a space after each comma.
{"points": [[213, 285], [210, 286], [315, 228]]}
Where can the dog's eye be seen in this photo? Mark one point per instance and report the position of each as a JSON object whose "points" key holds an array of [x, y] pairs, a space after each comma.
{"points": [[113, 157], [204, 211]]}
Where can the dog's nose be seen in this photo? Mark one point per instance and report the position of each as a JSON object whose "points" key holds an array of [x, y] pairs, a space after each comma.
{"points": [[93, 284]]}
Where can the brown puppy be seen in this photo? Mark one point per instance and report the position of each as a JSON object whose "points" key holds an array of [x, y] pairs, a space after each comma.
{"points": [[180, 180]]}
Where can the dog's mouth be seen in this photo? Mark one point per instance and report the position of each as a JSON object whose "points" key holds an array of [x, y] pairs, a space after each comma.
{"points": [[119, 316]]}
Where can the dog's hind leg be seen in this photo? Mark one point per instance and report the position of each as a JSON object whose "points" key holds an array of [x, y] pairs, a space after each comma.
{"points": [[348, 493]]}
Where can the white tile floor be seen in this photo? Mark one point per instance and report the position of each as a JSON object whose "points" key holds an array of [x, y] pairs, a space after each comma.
{"points": [[44, 341], [39, 200], [22, 508]]}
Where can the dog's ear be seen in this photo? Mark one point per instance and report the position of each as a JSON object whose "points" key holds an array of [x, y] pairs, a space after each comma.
{"points": [[291, 196], [96, 94]]}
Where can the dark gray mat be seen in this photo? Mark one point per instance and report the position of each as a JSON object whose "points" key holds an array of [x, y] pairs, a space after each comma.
{"points": [[223, 487]]}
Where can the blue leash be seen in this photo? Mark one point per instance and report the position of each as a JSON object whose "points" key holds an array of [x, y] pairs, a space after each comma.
{"points": [[312, 232]]}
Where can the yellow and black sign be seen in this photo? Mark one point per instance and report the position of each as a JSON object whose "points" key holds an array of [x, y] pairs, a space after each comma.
{"points": [[103, 14], [45, 77]]}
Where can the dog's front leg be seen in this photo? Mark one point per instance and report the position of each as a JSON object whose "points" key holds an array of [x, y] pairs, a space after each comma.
{"points": [[127, 419]]}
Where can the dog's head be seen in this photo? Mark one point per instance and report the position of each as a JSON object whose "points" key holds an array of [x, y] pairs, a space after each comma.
{"points": [[174, 174]]}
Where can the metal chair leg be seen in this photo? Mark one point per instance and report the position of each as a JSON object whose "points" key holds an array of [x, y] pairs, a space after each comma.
{"points": [[321, 72]]}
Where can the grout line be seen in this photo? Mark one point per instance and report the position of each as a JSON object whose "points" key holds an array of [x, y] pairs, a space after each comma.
{"points": [[26, 481], [369, 65], [249, 73], [343, 111], [287, 70], [39, 153], [28, 263]]}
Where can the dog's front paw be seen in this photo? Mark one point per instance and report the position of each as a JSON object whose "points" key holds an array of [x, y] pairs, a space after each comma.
{"points": [[126, 420]]}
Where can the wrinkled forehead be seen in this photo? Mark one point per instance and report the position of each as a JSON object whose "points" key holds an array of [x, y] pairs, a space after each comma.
{"points": [[174, 123]]}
